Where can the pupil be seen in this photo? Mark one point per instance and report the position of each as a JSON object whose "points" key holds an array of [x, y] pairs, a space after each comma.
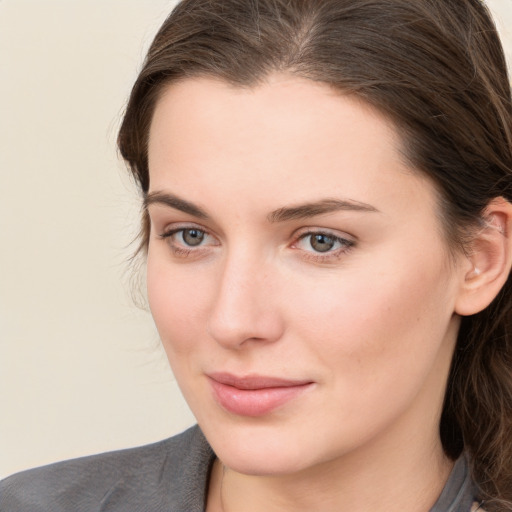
{"points": [[193, 236], [322, 243]]}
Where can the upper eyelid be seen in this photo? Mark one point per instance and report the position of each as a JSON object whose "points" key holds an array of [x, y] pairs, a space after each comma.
{"points": [[344, 241], [161, 221], [179, 226], [342, 235], [295, 236], [166, 234], [173, 231]]}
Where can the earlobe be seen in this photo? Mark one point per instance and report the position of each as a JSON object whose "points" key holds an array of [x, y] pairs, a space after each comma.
{"points": [[489, 259]]}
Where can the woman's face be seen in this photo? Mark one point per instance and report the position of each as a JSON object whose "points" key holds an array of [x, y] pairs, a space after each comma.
{"points": [[297, 274]]}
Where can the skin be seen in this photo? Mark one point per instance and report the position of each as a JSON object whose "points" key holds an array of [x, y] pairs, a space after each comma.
{"points": [[371, 323]]}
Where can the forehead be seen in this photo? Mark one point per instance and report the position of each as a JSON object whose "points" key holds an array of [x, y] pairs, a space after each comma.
{"points": [[283, 104], [288, 139]]}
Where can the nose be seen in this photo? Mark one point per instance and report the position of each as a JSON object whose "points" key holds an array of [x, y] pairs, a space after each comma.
{"points": [[245, 308]]}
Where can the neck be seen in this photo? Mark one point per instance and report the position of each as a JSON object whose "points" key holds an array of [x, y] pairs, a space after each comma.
{"points": [[390, 474], [356, 483]]}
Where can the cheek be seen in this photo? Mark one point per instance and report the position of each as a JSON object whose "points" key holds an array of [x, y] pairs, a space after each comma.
{"points": [[386, 322], [176, 298]]}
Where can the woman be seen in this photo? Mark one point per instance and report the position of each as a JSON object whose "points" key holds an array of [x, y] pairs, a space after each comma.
{"points": [[327, 219]]}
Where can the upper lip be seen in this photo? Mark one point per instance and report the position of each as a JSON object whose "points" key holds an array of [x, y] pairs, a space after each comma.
{"points": [[255, 381]]}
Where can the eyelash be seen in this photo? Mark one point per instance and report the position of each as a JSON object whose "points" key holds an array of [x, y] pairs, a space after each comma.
{"points": [[182, 251], [345, 244]]}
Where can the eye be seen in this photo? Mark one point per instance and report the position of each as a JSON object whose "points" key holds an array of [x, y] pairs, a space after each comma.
{"points": [[184, 241], [191, 237], [320, 244]]}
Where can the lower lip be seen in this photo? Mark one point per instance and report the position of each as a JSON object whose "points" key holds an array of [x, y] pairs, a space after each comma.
{"points": [[254, 402]]}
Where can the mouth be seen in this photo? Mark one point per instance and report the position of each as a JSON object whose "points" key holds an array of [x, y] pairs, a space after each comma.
{"points": [[254, 395]]}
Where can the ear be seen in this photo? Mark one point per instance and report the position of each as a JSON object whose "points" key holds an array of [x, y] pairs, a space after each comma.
{"points": [[489, 260]]}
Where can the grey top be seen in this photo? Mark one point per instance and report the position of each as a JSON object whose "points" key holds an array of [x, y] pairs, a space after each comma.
{"points": [[168, 476]]}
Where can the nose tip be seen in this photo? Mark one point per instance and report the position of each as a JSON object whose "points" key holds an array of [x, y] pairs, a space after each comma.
{"points": [[243, 311], [232, 330]]}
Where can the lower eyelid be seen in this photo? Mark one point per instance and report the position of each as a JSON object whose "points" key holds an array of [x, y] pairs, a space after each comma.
{"points": [[327, 256], [180, 249], [345, 245], [345, 241]]}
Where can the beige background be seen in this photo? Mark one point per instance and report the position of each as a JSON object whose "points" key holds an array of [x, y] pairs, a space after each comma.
{"points": [[81, 370]]}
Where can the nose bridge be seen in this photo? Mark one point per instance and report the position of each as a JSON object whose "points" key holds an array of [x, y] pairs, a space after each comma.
{"points": [[243, 307]]}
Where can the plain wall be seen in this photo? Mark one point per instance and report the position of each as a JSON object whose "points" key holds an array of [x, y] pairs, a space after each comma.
{"points": [[81, 368]]}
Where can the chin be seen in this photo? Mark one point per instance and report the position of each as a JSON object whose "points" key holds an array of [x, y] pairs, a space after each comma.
{"points": [[262, 464], [261, 450]]}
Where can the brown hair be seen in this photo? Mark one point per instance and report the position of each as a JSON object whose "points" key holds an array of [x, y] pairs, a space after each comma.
{"points": [[436, 69]]}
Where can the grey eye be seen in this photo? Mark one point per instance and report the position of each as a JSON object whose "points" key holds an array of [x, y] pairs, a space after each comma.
{"points": [[321, 242], [192, 237]]}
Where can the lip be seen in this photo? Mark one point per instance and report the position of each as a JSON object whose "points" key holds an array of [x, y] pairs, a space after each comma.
{"points": [[254, 395]]}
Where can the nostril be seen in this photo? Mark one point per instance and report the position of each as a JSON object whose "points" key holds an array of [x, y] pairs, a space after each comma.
{"points": [[237, 328]]}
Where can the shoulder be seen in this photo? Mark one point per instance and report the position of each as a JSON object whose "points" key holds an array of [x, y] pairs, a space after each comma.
{"points": [[159, 476]]}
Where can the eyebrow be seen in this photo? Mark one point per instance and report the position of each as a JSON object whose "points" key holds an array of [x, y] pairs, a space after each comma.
{"points": [[305, 211], [287, 213], [172, 201]]}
